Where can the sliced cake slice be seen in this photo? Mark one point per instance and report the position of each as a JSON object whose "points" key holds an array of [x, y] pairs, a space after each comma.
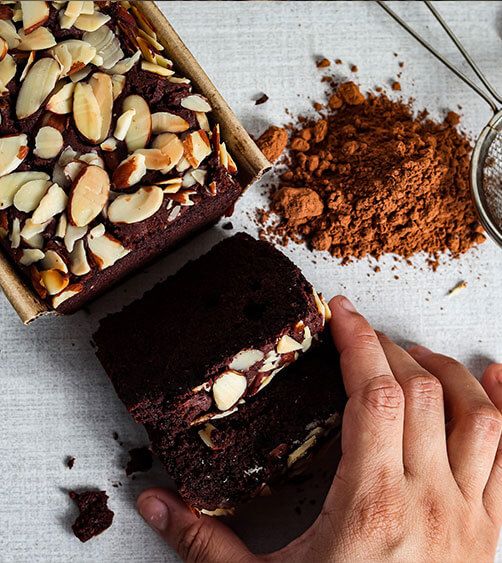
{"points": [[211, 336], [222, 463]]}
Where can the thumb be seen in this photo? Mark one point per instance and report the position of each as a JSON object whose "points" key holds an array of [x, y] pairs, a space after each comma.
{"points": [[195, 539]]}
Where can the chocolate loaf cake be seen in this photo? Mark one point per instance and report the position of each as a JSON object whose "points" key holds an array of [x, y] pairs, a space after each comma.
{"points": [[204, 341], [220, 464], [107, 156]]}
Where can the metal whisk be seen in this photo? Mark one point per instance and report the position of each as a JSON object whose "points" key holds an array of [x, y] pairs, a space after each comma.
{"points": [[486, 160]]}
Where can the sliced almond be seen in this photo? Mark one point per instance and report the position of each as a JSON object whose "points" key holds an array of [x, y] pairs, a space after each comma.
{"points": [[97, 231], [307, 339], [228, 388], [199, 176], [29, 63], [88, 7], [302, 450], [53, 203], [79, 265], [62, 102], [188, 180], [195, 102], [106, 250], [130, 171], [205, 435], [101, 84], [171, 186], [109, 145], [13, 150], [30, 194], [30, 256], [118, 83], [92, 158], [73, 55], [226, 160], [152, 41], [81, 74], [155, 159], [165, 122], [9, 33], [107, 46], [37, 85], [54, 281], [246, 359], [73, 169], [156, 69], [48, 142], [38, 40], [182, 165], [287, 344], [89, 195], [136, 207], [144, 24], [140, 130], [53, 261], [172, 146], [37, 242], [72, 235], [123, 124], [166, 63], [62, 226], [203, 121], [66, 294], [91, 22], [146, 49], [4, 48], [15, 235], [7, 69], [125, 65], [73, 10], [178, 79], [31, 229], [197, 147], [183, 197], [87, 113], [35, 14]]}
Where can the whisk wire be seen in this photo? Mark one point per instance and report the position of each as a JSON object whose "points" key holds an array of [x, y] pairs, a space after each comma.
{"points": [[443, 59]]}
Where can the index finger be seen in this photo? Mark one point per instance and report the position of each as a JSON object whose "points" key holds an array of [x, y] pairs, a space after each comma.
{"points": [[372, 429], [361, 354]]}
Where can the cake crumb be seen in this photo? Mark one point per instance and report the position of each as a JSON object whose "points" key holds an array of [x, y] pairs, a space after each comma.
{"points": [[141, 460], [396, 86], [95, 517], [261, 100], [70, 462]]}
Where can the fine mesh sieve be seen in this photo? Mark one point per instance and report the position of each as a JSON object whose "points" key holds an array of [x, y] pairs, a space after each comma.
{"points": [[486, 160]]}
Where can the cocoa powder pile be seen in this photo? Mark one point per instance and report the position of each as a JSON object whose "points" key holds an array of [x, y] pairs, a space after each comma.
{"points": [[370, 178]]}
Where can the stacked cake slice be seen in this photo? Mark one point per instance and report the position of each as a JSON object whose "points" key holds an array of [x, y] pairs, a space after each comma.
{"points": [[214, 362]]}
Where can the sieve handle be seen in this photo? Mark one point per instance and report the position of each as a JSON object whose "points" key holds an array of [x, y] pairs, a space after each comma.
{"points": [[444, 60]]}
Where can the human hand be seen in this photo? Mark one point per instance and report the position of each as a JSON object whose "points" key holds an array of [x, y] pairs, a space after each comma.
{"points": [[408, 487]]}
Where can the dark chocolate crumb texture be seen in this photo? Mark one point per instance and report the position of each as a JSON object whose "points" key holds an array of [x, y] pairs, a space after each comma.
{"points": [[95, 517], [225, 462], [107, 156], [201, 343]]}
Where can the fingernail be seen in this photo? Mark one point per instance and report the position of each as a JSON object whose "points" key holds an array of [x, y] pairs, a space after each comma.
{"points": [[154, 512], [347, 305], [419, 350]]}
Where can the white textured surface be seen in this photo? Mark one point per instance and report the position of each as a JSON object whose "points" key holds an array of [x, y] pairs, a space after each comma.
{"points": [[56, 401]]}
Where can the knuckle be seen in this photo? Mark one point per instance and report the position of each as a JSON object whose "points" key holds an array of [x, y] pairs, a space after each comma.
{"points": [[424, 388], [447, 363], [487, 418], [435, 516], [194, 543], [383, 397]]}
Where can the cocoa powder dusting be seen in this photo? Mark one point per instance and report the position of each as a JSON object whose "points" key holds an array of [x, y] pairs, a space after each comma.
{"points": [[371, 178]]}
